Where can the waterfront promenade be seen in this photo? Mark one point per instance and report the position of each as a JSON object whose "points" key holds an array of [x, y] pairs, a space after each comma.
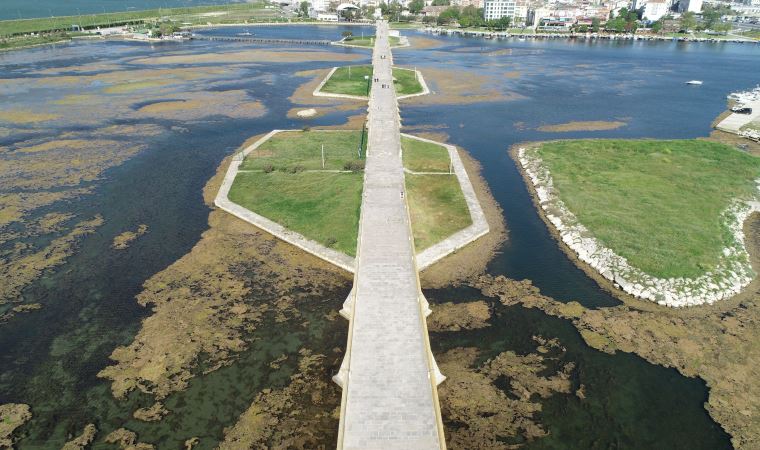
{"points": [[388, 375]]}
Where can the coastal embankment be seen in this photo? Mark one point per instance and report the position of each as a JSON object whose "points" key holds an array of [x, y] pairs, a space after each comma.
{"points": [[580, 36], [651, 275]]}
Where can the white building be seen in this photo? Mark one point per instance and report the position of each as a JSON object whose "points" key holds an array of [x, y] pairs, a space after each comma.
{"points": [[694, 6], [515, 9], [656, 9], [319, 5], [496, 9]]}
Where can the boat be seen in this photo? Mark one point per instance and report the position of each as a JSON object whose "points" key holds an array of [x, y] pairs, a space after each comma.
{"points": [[246, 33], [694, 82], [741, 109]]}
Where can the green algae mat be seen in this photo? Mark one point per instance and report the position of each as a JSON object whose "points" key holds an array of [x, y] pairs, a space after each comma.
{"points": [[656, 203], [350, 80]]}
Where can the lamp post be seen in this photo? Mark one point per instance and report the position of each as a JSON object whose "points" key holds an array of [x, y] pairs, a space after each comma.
{"points": [[361, 143]]}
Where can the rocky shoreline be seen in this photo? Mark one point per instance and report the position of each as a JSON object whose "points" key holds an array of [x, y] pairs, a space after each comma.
{"points": [[580, 36], [731, 276]]}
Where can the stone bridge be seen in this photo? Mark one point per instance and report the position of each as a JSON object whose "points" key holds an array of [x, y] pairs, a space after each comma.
{"points": [[388, 376]]}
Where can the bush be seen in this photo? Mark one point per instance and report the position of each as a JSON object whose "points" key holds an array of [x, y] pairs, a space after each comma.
{"points": [[356, 165], [306, 128], [296, 169], [268, 168], [329, 242]]}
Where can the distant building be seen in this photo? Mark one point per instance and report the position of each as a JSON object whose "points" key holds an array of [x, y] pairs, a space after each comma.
{"points": [[517, 10], [656, 9], [465, 3], [694, 6], [319, 5], [434, 11], [327, 17], [496, 9]]}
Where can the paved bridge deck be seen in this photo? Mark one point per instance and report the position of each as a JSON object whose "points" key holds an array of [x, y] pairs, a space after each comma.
{"points": [[388, 376]]}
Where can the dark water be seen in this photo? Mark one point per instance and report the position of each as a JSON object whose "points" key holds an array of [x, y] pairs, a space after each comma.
{"points": [[20, 9], [563, 81], [50, 358], [619, 410], [319, 32]]}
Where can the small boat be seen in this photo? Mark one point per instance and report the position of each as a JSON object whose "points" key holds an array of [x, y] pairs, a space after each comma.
{"points": [[741, 109], [694, 82], [246, 33]]}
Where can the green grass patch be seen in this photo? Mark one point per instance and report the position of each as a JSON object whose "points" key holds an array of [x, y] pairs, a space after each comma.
{"points": [[350, 80], [656, 203], [302, 150], [406, 82], [437, 208], [28, 41], [369, 41], [321, 206], [324, 206], [420, 156], [229, 13]]}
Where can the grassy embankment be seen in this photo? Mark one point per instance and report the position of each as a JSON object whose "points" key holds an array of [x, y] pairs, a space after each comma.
{"points": [[436, 203], [656, 203], [369, 41], [283, 180], [751, 34], [350, 81], [18, 33]]}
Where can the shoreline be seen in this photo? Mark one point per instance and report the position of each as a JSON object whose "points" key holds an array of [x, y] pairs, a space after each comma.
{"points": [[263, 23], [617, 289], [579, 36]]}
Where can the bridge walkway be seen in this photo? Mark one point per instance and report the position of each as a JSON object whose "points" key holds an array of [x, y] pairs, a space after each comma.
{"points": [[388, 376]]}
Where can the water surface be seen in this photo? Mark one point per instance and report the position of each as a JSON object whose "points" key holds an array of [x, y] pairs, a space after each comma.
{"points": [[50, 358]]}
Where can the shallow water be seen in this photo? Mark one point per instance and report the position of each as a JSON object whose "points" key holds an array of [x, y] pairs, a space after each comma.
{"points": [[628, 403], [50, 358]]}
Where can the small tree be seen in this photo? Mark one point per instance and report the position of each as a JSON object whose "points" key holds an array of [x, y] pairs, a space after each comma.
{"points": [[688, 21], [304, 9], [657, 27], [595, 24], [415, 6]]}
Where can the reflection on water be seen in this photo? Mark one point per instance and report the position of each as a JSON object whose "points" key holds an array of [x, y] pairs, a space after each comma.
{"points": [[50, 358]]}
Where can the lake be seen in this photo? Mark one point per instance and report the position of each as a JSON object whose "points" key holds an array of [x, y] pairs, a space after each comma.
{"points": [[50, 358]]}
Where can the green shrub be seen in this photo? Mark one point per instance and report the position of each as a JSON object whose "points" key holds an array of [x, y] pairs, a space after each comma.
{"points": [[356, 165]]}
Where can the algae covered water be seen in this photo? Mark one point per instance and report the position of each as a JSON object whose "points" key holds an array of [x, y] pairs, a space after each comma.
{"points": [[50, 358]]}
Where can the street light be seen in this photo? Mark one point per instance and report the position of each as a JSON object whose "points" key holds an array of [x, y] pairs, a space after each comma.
{"points": [[364, 127]]}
